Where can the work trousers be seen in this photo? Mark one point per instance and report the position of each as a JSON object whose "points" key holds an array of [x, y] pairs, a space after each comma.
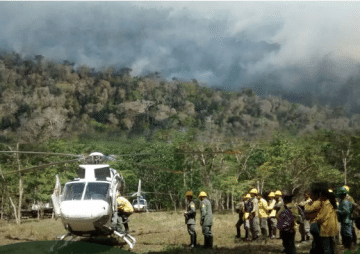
{"points": [[264, 226], [346, 235], [304, 228], [327, 245], [316, 244], [247, 224], [191, 229], [288, 241], [254, 227], [206, 230]]}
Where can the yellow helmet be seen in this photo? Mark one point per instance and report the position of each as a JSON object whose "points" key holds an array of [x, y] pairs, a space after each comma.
{"points": [[253, 191], [278, 193], [347, 188], [189, 193], [271, 194], [330, 190], [247, 196], [202, 194]]}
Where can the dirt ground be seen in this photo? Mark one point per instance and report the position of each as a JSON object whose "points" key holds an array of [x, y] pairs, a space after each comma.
{"points": [[156, 232]]}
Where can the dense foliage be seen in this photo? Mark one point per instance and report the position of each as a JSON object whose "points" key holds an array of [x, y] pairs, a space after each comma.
{"points": [[271, 143]]}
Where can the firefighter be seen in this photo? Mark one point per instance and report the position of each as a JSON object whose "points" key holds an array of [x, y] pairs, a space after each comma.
{"points": [[263, 215], [125, 209], [304, 227], [254, 214], [190, 215], [349, 198], [279, 203], [206, 220], [344, 212], [246, 218], [272, 216], [240, 210]]}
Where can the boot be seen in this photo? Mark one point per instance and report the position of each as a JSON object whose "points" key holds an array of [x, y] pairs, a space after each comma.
{"points": [[273, 233], [210, 242], [248, 235], [238, 233], [126, 228], [263, 233], [206, 242], [193, 241]]}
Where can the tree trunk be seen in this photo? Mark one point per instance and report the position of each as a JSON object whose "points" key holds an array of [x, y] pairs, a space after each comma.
{"points": [[15, 212], [227, 201], [232, 200], [172, 200]]}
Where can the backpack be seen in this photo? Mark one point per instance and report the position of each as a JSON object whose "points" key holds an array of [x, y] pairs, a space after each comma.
{"points": [[248, 206], [286, 220]]}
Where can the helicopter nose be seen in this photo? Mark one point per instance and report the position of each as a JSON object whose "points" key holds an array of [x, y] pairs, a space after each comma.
{"points": [[84, 210]]}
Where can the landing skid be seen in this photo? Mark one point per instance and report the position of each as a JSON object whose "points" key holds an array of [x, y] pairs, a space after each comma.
{"points": [[126, 237]]}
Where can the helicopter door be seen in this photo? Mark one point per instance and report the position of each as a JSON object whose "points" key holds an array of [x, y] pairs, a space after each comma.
{"points": [[56, 198]]}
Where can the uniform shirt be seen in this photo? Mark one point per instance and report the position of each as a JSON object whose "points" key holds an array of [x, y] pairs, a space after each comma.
{"points": [[345, 209], [294, 211], [206, 212], [191, 213], [327, 220], [124, 205], [255, 210], [263, 208], [312, 209], [278, 204], [272, 212]]}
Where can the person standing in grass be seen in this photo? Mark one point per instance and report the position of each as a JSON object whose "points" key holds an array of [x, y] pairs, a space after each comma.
{"points": [[264, 208], [190, 215], [246, 218], [206, 220], [304, 227], [272, 216], [327, 220], [344, 212], [240, 210], [254, 214], [286, 223]]}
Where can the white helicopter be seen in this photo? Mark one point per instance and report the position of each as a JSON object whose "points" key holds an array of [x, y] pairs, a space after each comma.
{"points": [[87, 206], [140, 203]]}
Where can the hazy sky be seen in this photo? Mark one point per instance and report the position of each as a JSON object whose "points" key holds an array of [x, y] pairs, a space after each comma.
{"points": [[305, 51]]}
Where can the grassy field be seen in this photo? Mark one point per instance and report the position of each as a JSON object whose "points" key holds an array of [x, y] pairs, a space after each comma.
{"points": [[157, 232]]}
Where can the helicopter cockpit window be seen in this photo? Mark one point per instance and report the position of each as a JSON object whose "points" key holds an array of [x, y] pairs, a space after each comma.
{"points": [[102, 173], [96, 191], [141, 202], [73, 191], [81, 173]]}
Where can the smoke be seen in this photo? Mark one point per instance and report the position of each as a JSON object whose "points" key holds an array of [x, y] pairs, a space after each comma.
{"points": [[307, 52]]}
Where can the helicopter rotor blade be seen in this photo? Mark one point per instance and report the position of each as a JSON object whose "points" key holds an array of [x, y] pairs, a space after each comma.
{"points": [[164, 169], [194, 152], [28, 152], [41, 166]]}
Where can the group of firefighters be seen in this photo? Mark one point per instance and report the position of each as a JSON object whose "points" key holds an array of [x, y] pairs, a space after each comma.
{"points": [[323, 215]]}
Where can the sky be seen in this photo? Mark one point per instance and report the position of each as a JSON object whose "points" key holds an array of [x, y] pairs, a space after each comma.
{"points": [[306, 52]]}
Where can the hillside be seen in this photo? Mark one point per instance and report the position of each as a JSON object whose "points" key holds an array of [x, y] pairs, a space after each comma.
{"points": [[42, 99]]}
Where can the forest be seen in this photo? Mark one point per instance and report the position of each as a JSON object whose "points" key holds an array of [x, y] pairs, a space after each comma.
{"points": [[222, 142]]}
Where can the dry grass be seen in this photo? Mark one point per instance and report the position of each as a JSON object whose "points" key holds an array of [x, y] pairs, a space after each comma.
{"points": [[158, 232]]}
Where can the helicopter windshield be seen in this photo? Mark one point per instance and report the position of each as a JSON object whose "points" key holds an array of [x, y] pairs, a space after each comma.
{"points": [[73, 191], [141, 202], [96, 191]]}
